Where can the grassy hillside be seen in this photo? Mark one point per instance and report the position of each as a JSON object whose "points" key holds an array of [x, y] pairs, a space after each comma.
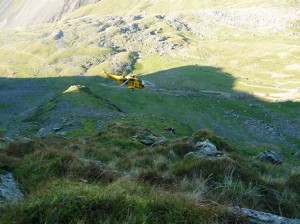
{"points": [[260, 51], [218, 63], [112, 177], [227, 68]]}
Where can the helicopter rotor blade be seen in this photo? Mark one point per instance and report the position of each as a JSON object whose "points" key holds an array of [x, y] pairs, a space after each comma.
{"points": [[148, 83], [124, 83]]}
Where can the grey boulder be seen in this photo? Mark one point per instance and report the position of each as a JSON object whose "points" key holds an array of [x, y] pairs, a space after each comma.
{"points": [[204, 149], [257, 217], [9, 191], [269, 156]]}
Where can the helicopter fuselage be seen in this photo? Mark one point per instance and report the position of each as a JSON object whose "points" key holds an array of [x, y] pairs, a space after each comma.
{"points": [[130, 81]]}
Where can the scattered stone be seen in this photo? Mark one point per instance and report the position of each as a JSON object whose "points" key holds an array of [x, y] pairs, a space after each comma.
{"points": [[270, 129], [269, 156], [87, 21], [69, 123], [25, 140], [147, 142], [59, 35], [103, 28], [152, 140], [163, 38], [43, 132], [56, 128], [159, 141], [205, 149], [257, 217], [124, 30], [137, 17], [135, 27], [61, 134], [9, 191], [160, 17]]}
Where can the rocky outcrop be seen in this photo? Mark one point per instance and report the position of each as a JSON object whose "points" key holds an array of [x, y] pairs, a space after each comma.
{"points": [[269, 156], [204, 149], [9, 191], [152, 140], [257, 217], [58, 35]]}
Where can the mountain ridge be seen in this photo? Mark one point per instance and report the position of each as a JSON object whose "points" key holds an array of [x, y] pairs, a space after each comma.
{"points": [[14, 13]]}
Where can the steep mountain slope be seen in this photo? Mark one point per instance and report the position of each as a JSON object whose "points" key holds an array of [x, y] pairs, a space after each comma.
{"points": [[84, 149], [112, 177], [227, 56], [145, 36], [14, 13]]}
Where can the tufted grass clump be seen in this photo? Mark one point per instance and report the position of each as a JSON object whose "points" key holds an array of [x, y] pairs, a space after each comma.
{"points": [[214, 169], [113, 178], [293, 181], [281, 202], [20, 149], [155, 177], [124, 130], [40, 167], [7, 163], [65, 201], [182, 146], [121, 136]]}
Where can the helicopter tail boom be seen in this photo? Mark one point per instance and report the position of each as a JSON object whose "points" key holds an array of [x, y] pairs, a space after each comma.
{"points": [[119, 79]]}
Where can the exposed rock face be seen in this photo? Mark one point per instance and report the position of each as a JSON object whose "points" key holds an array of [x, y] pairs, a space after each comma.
{"points": [[257, 217], [205, 149], [9, 191], [31, 12], [269, 156]]}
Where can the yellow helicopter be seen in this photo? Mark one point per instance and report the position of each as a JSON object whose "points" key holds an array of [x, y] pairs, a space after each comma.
{"points": [[131, 81]]}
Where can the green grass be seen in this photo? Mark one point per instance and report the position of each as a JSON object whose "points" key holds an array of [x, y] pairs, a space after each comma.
{"points": [[88, 128], [136, 183], [215, 82], [121, 202], [237, 52]]}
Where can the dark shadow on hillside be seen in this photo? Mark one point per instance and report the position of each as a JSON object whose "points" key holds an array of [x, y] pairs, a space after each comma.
{"points": [[197, 96]]}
